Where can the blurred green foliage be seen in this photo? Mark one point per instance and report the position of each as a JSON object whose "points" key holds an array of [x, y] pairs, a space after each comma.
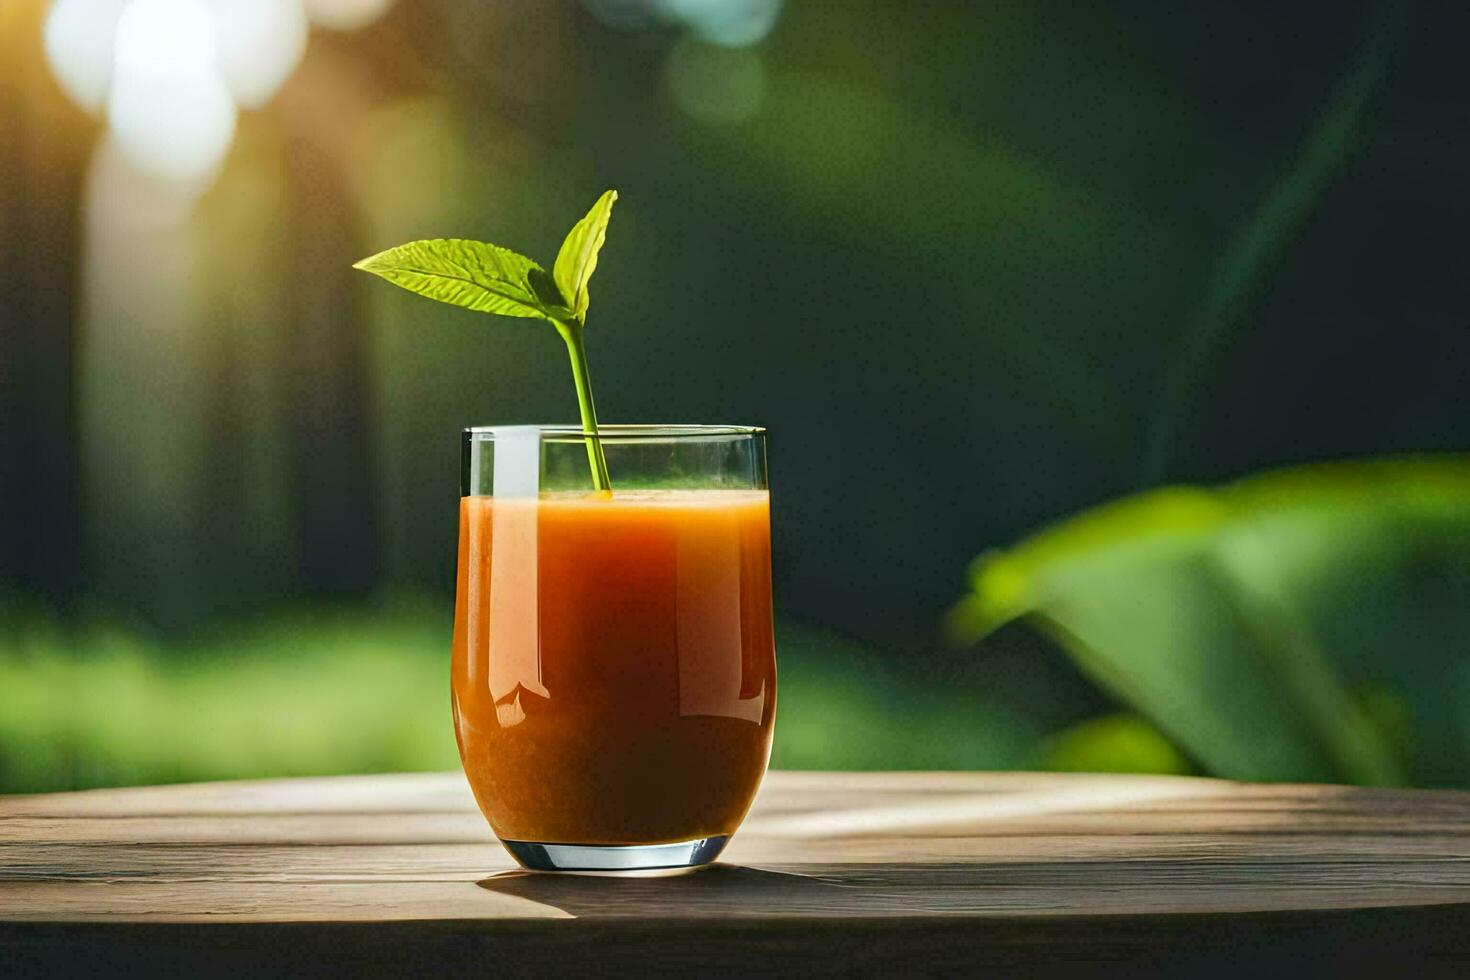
{"points": [[307, 691], [1307, 624], [1112, 743], [318, 690]]}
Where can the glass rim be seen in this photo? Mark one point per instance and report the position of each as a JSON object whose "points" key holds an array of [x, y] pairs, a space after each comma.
{"points": [[621, 432]]}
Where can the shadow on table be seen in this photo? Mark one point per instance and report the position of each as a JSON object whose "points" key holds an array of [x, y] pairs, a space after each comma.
{"points": [[716, 890]]}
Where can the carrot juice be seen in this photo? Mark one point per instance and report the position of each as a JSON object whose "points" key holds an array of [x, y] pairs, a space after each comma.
{"points": [[614, 671]]}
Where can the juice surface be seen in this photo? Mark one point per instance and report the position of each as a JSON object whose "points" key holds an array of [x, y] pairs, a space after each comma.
{"points": [[614, 672]]}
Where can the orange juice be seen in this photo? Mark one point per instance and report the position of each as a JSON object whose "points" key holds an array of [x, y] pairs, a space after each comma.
{"points": [[614, 669]]}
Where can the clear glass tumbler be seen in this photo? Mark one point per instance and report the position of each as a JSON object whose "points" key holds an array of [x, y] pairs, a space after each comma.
{"points": [[614, 669]]}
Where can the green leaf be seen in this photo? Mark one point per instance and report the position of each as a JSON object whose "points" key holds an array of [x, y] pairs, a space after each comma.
{"points": [[1113, 743], [1239, 619], [577, 259], [475, 275], [490, 279]]}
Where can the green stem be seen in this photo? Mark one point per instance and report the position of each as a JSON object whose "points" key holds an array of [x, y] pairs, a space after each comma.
{"points": [[571, 332]]}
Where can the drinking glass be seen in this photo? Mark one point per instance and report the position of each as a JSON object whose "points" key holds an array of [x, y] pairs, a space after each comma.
{"points": [[614, 666]]}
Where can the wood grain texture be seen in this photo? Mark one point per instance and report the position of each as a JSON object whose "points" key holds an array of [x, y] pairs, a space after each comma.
{"points": [[855, 870]]}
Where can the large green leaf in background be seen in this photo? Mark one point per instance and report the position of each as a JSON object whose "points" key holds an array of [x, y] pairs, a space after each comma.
{"points": [[1271, 627]]}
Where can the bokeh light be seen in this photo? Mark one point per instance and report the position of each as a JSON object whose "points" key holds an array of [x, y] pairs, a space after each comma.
{"points": [[345, 15], [728, 23], [169, 107], [170, 73], [79, 40], [260, 42]]}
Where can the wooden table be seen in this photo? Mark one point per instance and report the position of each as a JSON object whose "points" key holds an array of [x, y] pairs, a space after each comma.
{"points": [[939, 871]]}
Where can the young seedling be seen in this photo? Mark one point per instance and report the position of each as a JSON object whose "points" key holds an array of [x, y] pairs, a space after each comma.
{"points": [[490, 279]]}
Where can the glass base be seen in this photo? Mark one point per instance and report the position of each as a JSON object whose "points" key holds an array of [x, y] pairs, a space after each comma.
{"points": [[607, 858]]}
